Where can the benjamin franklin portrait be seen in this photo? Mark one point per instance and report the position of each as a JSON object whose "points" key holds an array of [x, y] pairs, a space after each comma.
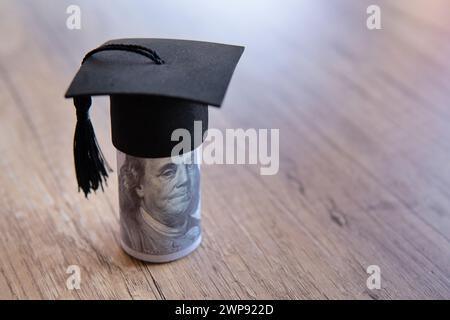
{"points": [[159, 202]]}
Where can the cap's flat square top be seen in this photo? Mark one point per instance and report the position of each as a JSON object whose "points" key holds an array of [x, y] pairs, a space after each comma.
{"points": [[193, 70]]}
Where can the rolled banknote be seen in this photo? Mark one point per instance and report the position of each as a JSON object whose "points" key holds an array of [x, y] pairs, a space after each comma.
{"points": [[159, 206]]}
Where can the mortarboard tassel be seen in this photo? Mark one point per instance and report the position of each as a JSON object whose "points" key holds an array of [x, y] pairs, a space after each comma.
{"points": [[90, 165]]}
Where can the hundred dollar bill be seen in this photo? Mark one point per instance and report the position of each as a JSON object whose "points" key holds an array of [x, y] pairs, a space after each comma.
{"points": [[159, 206]]}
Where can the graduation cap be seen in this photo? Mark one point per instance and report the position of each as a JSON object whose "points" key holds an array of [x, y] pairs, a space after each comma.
{"points": [[155, 87]]}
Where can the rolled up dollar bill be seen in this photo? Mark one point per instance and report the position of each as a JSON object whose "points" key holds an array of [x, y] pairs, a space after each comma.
{"points": [[159, 206]]}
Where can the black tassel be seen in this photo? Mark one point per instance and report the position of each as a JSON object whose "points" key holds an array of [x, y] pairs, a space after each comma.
{"points": [[90, 165]]}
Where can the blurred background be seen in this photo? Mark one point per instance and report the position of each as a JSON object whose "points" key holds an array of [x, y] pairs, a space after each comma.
{"points": [[364, 152]]}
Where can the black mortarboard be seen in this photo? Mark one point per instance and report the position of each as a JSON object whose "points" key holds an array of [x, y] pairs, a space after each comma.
{"points": [[156, 86]]}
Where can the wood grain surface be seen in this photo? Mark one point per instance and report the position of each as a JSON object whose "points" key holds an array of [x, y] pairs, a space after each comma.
{"points": [[364, 177]]}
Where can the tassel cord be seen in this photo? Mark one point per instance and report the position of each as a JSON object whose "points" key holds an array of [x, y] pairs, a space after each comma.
{"points": [[90, 164]]}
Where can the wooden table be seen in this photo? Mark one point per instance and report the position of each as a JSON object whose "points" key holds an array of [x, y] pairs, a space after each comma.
{"points": [[364, 177]]}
